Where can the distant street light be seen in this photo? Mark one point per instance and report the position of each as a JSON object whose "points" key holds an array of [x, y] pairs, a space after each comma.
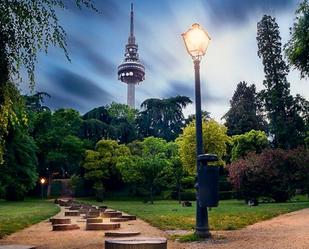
{"points": [[197, 40], [42, 181]]}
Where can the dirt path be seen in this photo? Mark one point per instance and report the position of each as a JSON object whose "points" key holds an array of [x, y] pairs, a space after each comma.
{"points": [[289, 231]]}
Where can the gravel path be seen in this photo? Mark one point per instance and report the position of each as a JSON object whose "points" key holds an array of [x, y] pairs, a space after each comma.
{"points": [[289, 231]]}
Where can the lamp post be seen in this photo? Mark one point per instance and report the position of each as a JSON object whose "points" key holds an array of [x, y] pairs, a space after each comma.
{"points": [[42, 181], [197, 40]]}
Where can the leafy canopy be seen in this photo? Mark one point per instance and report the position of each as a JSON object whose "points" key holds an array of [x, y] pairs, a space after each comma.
{"points": [[215, 141], [243, 114], [252, 141], [297, 48], [31, 26]]}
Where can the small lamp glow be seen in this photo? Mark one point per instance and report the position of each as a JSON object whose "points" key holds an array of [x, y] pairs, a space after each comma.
{"points": [[196, 40], [42, 180]]}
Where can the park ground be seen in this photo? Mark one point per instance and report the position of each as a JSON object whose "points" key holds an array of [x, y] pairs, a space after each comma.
{"points": [[284, 231]]}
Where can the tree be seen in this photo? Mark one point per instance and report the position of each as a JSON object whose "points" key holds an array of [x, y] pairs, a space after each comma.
{"points": [[252, 141], [26, 27], [59, 148], [94, 130], [275, 173], [297, 48], [18, 172], [243, 115], [100, 164], [215, 141], [34, 103], [286, 126], [100, 113], [147, 169], [67, 156], [123, 121], [162, 117], [191, 117]]}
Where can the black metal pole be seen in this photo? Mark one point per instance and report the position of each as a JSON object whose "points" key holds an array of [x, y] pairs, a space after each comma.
{"points": [[201, 229]]}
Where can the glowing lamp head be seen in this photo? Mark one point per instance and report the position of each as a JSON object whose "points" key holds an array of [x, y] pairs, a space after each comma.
{"points": [[42, 180], [196, 40]]}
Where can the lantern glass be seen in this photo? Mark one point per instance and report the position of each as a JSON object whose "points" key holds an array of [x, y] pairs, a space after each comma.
{"points": [[196, 40]]}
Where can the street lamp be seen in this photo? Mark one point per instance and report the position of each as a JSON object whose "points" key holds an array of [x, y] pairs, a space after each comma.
{"points": [[197, 40], [42, 181]]}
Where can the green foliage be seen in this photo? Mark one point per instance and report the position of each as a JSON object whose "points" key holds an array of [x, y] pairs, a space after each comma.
{"points": [[252, 141], [215, 141], [19, 168], [283, 110], [297, 48], [147, 167], [123, 122], [100, 164], [34, 103], [27, 27], [243, 115], [80, 186], [114, 121], [162, 117], [56, 135], [12, 114]]}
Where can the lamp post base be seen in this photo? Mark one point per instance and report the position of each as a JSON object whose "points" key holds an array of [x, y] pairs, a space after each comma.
{"points": [[202, 232]]}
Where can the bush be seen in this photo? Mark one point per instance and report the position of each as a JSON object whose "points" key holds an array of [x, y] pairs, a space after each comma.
{"points": [[81, 187], [188, 195], [252, 141], [226, 195], [273, 173]]}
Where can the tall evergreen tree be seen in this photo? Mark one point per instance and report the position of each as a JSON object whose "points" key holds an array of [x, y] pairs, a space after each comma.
{"points": [[162, 117], [243, 115], [286, 125]]}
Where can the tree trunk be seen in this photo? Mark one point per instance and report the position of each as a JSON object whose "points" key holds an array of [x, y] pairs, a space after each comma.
{"points": [[179, 195], [151, 194]]}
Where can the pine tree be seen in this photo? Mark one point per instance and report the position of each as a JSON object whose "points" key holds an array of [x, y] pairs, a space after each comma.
{"points": [[243, 115], [286, 126]]}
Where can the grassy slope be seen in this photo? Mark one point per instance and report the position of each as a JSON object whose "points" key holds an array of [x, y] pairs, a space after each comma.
{"points": [[15, 216], [230, 214]]}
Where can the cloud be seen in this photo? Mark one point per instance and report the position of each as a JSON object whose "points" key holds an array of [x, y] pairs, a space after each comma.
{"points": [[239, 11], [69, 88], [95, 60], [185, 88]]}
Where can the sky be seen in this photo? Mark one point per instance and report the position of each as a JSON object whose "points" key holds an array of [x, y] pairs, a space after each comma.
{"points": [[96, 43]]}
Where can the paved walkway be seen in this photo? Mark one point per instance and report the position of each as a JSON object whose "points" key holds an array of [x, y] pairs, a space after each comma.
{"points": [[289, 231]]}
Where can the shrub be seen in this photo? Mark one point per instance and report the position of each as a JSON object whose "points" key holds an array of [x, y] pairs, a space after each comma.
{"points": [[188, 195], [252, 141], [274, 173], [226, 195]]}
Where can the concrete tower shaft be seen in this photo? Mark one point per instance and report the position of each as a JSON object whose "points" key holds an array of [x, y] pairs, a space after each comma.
{"points": [[131, 71]]}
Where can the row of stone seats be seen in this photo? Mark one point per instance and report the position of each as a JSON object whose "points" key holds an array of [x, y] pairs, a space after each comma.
{"points": [[94, 221]]}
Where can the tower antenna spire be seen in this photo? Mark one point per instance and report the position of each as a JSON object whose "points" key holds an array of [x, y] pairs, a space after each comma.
{"points": [[132, 21]]}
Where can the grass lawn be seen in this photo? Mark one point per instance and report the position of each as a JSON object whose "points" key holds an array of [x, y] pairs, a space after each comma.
{"points": [[15, 216], [230, 215]]}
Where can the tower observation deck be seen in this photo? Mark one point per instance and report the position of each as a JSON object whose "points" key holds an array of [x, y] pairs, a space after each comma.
{"points": [[131, 71]]}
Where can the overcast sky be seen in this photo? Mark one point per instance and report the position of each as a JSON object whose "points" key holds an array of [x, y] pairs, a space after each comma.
{"points": [[96, 45]]}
